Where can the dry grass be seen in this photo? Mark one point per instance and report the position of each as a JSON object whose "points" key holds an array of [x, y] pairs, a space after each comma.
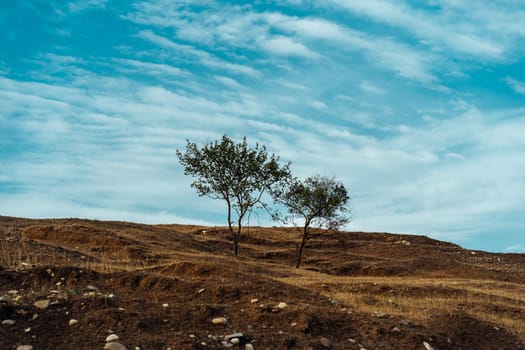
{"points": [[16, 254], [421, 299]]}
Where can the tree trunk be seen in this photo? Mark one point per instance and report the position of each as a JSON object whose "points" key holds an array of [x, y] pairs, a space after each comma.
{"points": [[236, 245], [237, 238], [301, 247]]}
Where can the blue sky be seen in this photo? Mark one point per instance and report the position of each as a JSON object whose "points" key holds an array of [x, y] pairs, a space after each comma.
{"points": [[417, 106]]}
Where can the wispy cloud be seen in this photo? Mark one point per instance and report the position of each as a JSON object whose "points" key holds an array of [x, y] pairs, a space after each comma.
{"points": [[157, 69], [80, 5], [516, 85], [368, 87], [389, 55], [252, 30], [448, 26], [204, 57], [229, 82], [281, 45]]}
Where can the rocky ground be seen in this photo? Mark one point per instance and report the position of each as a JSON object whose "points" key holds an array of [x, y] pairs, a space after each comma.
{"points": [[78, 284]]}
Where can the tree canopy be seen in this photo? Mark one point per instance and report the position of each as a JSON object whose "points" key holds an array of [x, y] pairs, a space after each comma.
{"points": [[236, 173], [317, 201]]}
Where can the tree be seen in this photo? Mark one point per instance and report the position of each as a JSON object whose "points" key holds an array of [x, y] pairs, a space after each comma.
{"points": [[235, 173], [317, 201]]}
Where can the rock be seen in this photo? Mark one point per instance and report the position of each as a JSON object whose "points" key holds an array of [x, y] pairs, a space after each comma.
{"points": [[325, 342], [8, 322], [353, 341], [42, 304], [92, 288], [407, 323], [248, 347], [114, 346], [234, 335], [165, 305], [254, 301], [282, 305], [395, 330], [24, 347], [219, 320], [427, 346], [235, 341], [200, 291], [13, 292], [112, 337], [72, 322]]}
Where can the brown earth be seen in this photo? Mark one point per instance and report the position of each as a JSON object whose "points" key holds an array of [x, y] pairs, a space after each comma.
{"points": [[159, 287]]}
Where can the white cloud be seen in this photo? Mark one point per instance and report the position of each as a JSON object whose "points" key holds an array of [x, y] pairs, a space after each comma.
{"points": [[229, 82], [150, 68], [281, 45], [293, 85], [204, 57], [244, 28], [402, 59], [368, 87], [516, 85], [81, 5], [450, 28], [319, 105]]}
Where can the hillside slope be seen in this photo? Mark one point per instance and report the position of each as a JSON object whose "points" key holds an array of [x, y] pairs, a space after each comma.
{"points": [[161, 286]]}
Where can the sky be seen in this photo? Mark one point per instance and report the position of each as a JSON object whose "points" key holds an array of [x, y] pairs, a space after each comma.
{"points": [[418, 107]]}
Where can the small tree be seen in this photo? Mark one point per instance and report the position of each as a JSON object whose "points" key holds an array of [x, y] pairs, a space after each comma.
{"points": [[235, 173], [317, 201]]}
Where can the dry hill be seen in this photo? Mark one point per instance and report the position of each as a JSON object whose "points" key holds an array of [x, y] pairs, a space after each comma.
{"points": [[162, 286]]}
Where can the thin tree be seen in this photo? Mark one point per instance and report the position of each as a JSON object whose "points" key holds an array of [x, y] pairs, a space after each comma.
{"points": [[235, 173], [317, 201]]}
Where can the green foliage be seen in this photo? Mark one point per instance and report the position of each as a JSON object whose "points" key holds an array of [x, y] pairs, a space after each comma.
{"points": [[320, 201], [235, 173], [317, 201]]}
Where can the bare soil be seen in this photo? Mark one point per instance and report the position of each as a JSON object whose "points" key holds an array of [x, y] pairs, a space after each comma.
{"points": [[160, 287]]}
